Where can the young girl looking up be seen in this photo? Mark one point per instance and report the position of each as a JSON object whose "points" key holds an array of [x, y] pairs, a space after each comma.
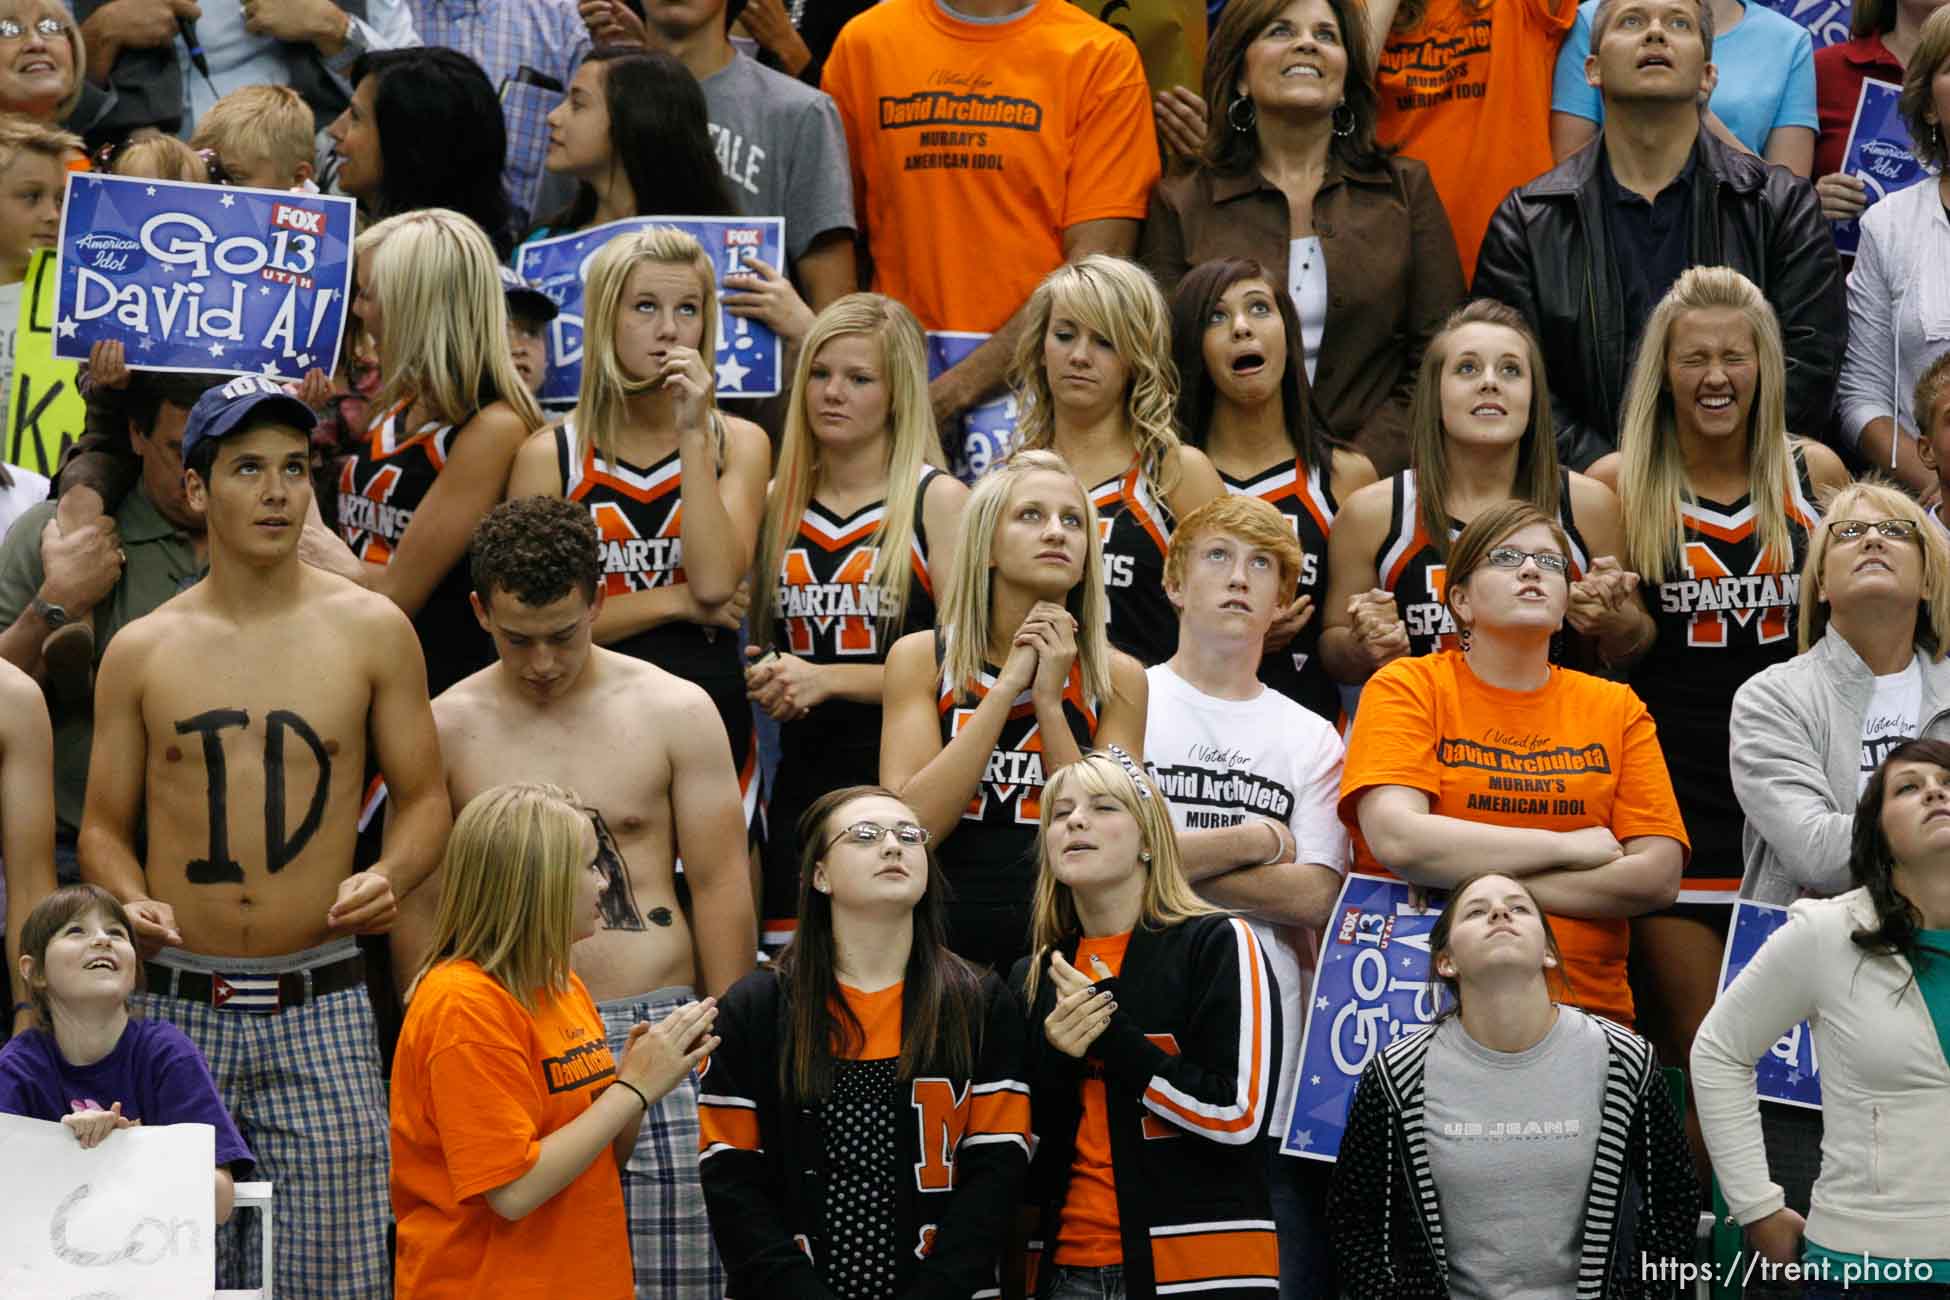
{"points": [[90, 1066]]}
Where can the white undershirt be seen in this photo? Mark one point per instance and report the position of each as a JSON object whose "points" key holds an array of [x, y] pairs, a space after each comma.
{"points": [[1891, 719], [1306, 284]]}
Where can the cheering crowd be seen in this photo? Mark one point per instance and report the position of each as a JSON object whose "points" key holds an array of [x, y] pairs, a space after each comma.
{"points": [[879, 842]]}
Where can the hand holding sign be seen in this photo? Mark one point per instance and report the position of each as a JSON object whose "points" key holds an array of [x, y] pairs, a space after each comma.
{"points": [[201, 277]]}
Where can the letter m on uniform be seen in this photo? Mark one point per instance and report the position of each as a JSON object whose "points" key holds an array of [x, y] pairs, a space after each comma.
{"points": [[1709, 625]]}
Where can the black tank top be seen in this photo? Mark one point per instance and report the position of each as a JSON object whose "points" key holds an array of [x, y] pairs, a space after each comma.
{"points": [[828, 613], [638, 513], [1412, 568], [381, 484], [1728, 612], [990, 860], [1135, 528], [1305, 498]]}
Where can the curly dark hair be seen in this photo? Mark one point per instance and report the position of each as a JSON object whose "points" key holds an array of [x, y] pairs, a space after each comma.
{"points": [[538, 548], [1872, 863]]}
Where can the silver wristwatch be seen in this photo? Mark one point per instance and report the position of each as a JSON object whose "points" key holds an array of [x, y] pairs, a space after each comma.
{"points": [[51, 614]]}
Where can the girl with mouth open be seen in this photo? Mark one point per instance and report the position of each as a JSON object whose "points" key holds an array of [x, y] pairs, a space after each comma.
{"points": [[1247, 405], [1153, 1049], [1480, 435], [87, 1065], [1719, 507]]}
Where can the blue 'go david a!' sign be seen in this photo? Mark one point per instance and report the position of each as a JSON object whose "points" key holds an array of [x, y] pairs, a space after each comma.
{"points": [[1789, 1072], [203, 277], [749, 361], [1373, 985], [984, 435]]}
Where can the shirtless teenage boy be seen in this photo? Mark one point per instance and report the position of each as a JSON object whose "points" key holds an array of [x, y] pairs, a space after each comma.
{"points": [[232, 723], [648, 752]]}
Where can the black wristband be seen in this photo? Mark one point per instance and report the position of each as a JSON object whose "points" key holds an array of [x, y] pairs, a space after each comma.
{"points": [[625, 1083]]}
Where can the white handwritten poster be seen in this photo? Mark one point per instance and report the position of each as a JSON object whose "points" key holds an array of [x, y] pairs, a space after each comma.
{"points": [[133, 1219]]}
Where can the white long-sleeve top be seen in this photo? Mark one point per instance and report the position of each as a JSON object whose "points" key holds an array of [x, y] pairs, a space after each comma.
{"points": [[1885, 1086], [1898, 307]]}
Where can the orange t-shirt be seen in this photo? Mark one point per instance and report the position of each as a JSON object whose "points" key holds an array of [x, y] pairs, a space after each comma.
{"points": [[975, 145], [1467, 92], [1087, 1235], [478, 1082], [879, 1014], [1579, 752]]}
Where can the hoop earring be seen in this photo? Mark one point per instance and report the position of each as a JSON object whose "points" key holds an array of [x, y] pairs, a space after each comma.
{"points": [[1463, 636], [1343, 126], [1232, 115]]}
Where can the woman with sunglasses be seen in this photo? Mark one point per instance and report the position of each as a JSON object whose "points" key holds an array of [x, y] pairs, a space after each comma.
{"points": [[863, 1126], [1491, 753]]}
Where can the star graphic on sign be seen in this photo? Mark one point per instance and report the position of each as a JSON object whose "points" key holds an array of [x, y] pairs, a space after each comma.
{"points": [[145, 343], [263, 290], [1320, 1003], [216, 349], [66, 328], [150, 190], [270, 370], [1405, 961], [1794, 1076], [1313, 1081], [731, 374], [229, 200], [1304, 1139]]}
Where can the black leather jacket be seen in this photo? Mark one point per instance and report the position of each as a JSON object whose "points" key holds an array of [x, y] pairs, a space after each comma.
{"points": [[1548, 254]]}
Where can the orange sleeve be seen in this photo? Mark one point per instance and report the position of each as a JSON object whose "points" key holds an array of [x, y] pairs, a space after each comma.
{"points": [[1644, 803], [1114, 153], [484, 1092], [1554, 19], [1393, 741]]}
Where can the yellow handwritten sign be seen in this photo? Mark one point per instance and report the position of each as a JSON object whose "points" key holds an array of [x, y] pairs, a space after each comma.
{"points": [[45, 410], [1170, 36]]}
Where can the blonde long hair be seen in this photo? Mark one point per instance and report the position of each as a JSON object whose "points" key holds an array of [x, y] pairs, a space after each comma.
{"points": [[445, 340], [508, 888], [912, 441], [1167, 900], [1932, 633], [1120, 301], [963, 615], [1652, 480], [601, 405]]}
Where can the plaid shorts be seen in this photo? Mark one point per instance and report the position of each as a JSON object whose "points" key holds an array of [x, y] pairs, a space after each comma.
{"points": [[670, 1232], [304, 1088]]}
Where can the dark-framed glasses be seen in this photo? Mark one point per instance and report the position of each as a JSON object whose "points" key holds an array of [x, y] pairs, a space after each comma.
{"points": [[1509, 557], [910, 834], [1854, 530]]}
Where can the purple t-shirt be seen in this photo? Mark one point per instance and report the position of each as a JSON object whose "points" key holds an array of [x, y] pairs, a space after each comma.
{"points": [[155, 1072]]}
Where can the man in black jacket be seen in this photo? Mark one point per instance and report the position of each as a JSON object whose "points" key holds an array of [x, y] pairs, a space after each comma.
{"points": [[1586, 250]]}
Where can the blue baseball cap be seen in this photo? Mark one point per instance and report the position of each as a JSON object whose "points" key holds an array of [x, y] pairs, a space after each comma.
{"points": [[525, 297], [222, 411]]}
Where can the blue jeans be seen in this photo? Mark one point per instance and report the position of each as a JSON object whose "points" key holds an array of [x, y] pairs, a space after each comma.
{"points": [[1299, 1193], [1089, 1283]]}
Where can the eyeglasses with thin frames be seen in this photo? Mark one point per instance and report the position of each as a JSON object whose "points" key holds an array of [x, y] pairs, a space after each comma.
{"points": [[910, 834], [1509, 557], [1854, 530]]}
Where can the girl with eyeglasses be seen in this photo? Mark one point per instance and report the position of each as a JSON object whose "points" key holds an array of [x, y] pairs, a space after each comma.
{"points": [[864, 1124], [1719, 511], [1479, 434], [1808, 733], [1492, 753]]}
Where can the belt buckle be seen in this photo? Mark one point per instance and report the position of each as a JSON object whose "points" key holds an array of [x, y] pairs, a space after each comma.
{"points": [[257, 994]]}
